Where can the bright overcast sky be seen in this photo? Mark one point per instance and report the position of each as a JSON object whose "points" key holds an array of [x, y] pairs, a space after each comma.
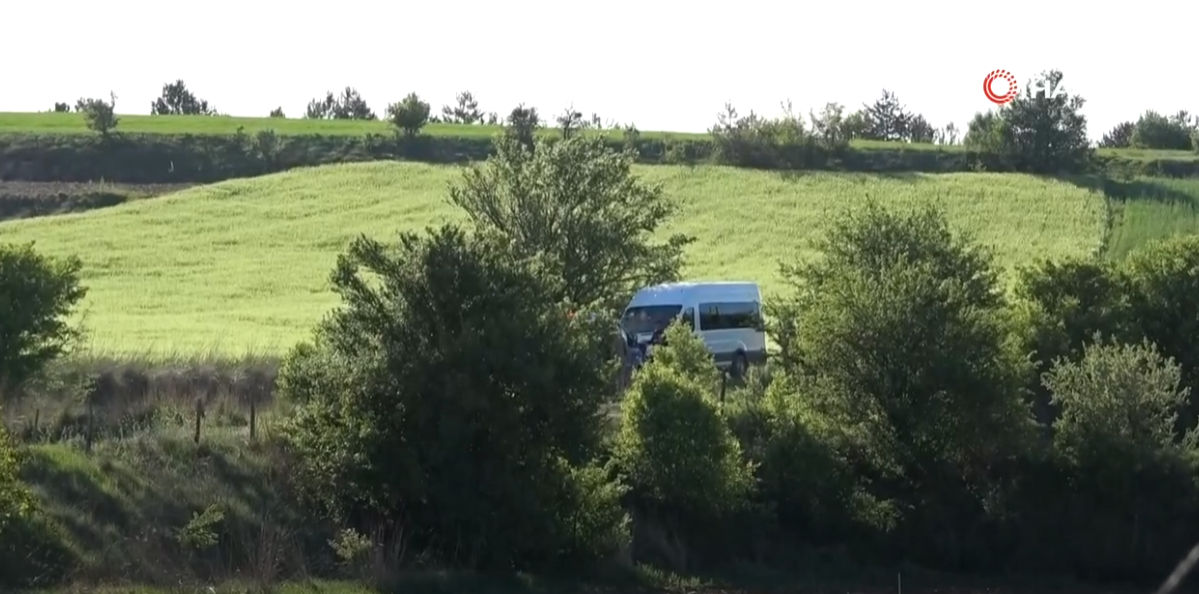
{"points": [[662, 64]]}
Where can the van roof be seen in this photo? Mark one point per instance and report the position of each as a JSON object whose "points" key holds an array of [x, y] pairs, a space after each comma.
{"points": [[672, 293]]}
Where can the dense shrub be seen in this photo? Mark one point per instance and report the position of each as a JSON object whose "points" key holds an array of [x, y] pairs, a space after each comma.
{"points": [[900, 335], [680, 458], [1147, 296], [16, 502], [182, 158], [673, 442], [36, 295], [1062, 306], [1129, 491], [417, 412], [1163, 279], [804, 471], [1156, 131], [409, 115], [1040, 131]]}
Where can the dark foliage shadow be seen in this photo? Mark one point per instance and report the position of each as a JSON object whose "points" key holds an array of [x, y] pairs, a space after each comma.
{"points": [[1129, 190]]}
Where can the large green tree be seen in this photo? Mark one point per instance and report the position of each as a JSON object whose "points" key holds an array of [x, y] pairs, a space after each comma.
{"points": [[898, 332], [450, 396], [177, 99], [579, 204], [37, 293], [1042, 130]]}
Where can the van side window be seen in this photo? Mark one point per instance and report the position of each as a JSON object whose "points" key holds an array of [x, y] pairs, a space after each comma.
{"points": [[727, 316], [689, 318]]}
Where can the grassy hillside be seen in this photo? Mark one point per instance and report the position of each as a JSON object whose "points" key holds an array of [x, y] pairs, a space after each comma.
{"points": [[1150, 208], [242, 265]]}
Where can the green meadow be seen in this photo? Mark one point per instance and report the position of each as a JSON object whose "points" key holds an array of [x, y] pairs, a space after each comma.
{"points": [[242, 266]]}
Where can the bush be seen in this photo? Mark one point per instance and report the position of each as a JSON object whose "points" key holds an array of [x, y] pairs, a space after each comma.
{"points": [[16, 502], [805, 475], [1062, 306], [900, 333], [1163, 281], [100, 115], [1129, 489], [37, 294], [409, 116], [416, 412], [1156, 131], [1040, 131], [680, 456]]}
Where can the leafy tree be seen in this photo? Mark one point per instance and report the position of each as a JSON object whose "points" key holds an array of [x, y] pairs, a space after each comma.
{"points": [[177, 99], [948, 135], [37, 293], [62, 107], [277, 113], [1117, 401], [578, 203], [1156, 131], [465, 111], [101, 116], [829, 127], [414, 409], [805, 468], [409, 115], [522, 123], [855, 125], [1040, 132], [919, 130], [757, 141], [1124, 484], [1063, 305], [1163, 280], [886, 119], [1120, 136], [673, 441], [348, 106], [899, 332], [570, 121]]}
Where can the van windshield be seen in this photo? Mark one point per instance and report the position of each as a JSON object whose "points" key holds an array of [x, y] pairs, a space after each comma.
{"points": [[640, 320]]}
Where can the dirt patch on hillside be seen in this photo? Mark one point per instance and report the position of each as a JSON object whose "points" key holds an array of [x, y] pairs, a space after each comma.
{"points": [[20, 200]]}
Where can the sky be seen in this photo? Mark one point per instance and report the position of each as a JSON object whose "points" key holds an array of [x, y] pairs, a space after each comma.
{"points": [[659, 64]]}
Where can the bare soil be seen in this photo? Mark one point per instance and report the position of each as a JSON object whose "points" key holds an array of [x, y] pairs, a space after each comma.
{"points": [[33, 199]]}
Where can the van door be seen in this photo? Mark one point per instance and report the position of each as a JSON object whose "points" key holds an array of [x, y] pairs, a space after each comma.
{"points": [[727, 327]]}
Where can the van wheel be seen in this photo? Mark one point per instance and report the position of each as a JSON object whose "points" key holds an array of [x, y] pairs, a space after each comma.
{"points": [[738, 367]]}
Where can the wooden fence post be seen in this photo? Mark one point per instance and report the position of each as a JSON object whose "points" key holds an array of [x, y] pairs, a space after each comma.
{"points": [[253, 418], [89, 434], [199, 418]]}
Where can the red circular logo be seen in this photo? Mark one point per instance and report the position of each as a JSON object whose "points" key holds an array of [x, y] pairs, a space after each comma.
{"points": [[999, 98]]}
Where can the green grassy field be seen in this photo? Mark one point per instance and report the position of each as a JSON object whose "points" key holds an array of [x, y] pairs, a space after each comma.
{"points": [[243, 265], [73, 123], [1151, 208]]}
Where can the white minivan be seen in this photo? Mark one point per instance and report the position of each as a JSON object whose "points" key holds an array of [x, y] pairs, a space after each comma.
{"points": [[726, 315]]}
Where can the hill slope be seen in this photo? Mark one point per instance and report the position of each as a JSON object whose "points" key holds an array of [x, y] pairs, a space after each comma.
{"points": [[243, 264]]}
